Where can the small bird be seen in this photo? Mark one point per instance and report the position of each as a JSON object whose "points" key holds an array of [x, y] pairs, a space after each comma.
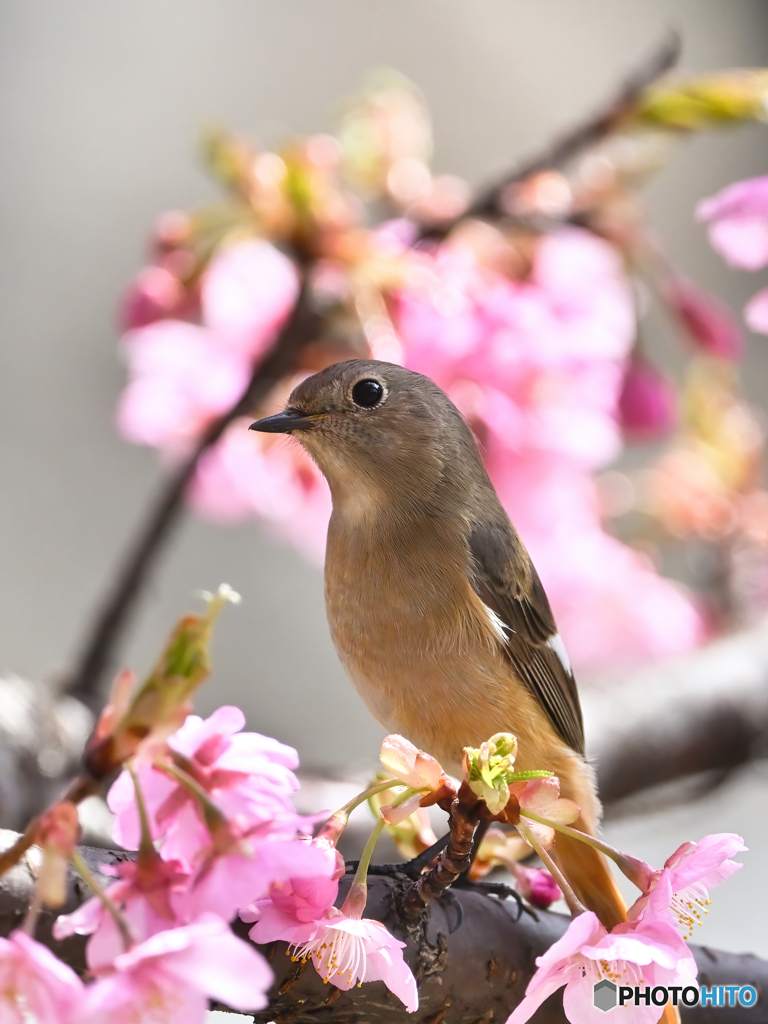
{"points": [[434, 605]]}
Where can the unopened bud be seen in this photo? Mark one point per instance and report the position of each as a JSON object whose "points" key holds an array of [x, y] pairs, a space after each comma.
{"points": [[160, 705], [57, 834]]}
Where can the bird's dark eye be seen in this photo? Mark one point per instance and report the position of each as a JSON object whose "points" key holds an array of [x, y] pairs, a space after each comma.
{"points": [[367, 393]]}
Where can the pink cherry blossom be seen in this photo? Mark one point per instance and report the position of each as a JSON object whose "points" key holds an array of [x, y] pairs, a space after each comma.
{"points": [[249, 781], [183, 375], [738, 222], [707, 321], [36, 984], [542, 797], [345, 948], [175, 972], [347, 951], [292, 905], [679, 892], [586, 953], [410, 765], [248, 776], [647, 404], [226, 882], [143, 895]]}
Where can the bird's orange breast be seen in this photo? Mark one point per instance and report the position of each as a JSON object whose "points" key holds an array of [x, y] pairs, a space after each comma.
{"points": [[421, 649]]}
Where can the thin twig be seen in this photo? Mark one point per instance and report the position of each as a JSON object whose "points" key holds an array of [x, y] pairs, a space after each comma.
{"points": [[489, 202], [112, 619]]}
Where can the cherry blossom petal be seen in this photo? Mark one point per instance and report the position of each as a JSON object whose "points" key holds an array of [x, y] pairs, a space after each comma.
{"points": [[34, 981], [348, 950], [247, 292], [756, 311], [148, 995], [738, 222], [409, 764], [206, 956]]}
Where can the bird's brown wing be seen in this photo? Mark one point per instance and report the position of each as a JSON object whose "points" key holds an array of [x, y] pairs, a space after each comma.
{"points": [[506, 581]]}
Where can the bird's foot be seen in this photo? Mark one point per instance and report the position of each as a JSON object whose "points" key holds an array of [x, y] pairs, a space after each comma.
{"points": [[451, 900], [500, 889], [412, 869]]}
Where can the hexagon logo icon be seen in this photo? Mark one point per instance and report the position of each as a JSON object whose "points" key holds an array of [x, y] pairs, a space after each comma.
{"points": [[604, 995]]}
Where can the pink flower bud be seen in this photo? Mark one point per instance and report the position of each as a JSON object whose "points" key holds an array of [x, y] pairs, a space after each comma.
{"points": [[59, 829], [536, 885], [172, 229], [647, 404], [153, 294], [709, 323]]}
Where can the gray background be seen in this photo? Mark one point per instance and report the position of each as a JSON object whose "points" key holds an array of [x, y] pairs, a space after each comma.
{"points": [[101, 104]]}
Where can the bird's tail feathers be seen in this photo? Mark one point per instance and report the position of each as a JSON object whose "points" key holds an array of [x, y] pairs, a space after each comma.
{"points": [[591, 879]]}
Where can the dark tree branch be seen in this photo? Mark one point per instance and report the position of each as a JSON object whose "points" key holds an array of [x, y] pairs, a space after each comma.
{"points": [[476, 972], [112, 619], [705, 711]]}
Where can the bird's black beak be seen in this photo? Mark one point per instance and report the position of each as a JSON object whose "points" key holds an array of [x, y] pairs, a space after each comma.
{"points": [[283, 423]]}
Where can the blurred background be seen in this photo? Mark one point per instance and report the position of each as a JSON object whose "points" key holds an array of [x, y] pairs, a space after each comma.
{"points": [[101, 110]]}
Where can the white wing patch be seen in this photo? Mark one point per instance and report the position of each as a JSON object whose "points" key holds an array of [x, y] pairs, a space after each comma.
{"points": [[556, 644], [499, 627]]}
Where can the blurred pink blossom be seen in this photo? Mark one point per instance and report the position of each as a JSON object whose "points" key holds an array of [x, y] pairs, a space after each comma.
{"points": [[738, 222], [267, 475], [537, 367], [756, 312], [540, 361], [647, 404], [611, 607], [182, 375], [709, 323], [181, 379], [35, 984], [172, 975], [153, 294], [738, 229]]}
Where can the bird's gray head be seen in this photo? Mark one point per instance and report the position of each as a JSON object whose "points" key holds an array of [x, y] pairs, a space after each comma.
{"points": [[376, 429]]}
